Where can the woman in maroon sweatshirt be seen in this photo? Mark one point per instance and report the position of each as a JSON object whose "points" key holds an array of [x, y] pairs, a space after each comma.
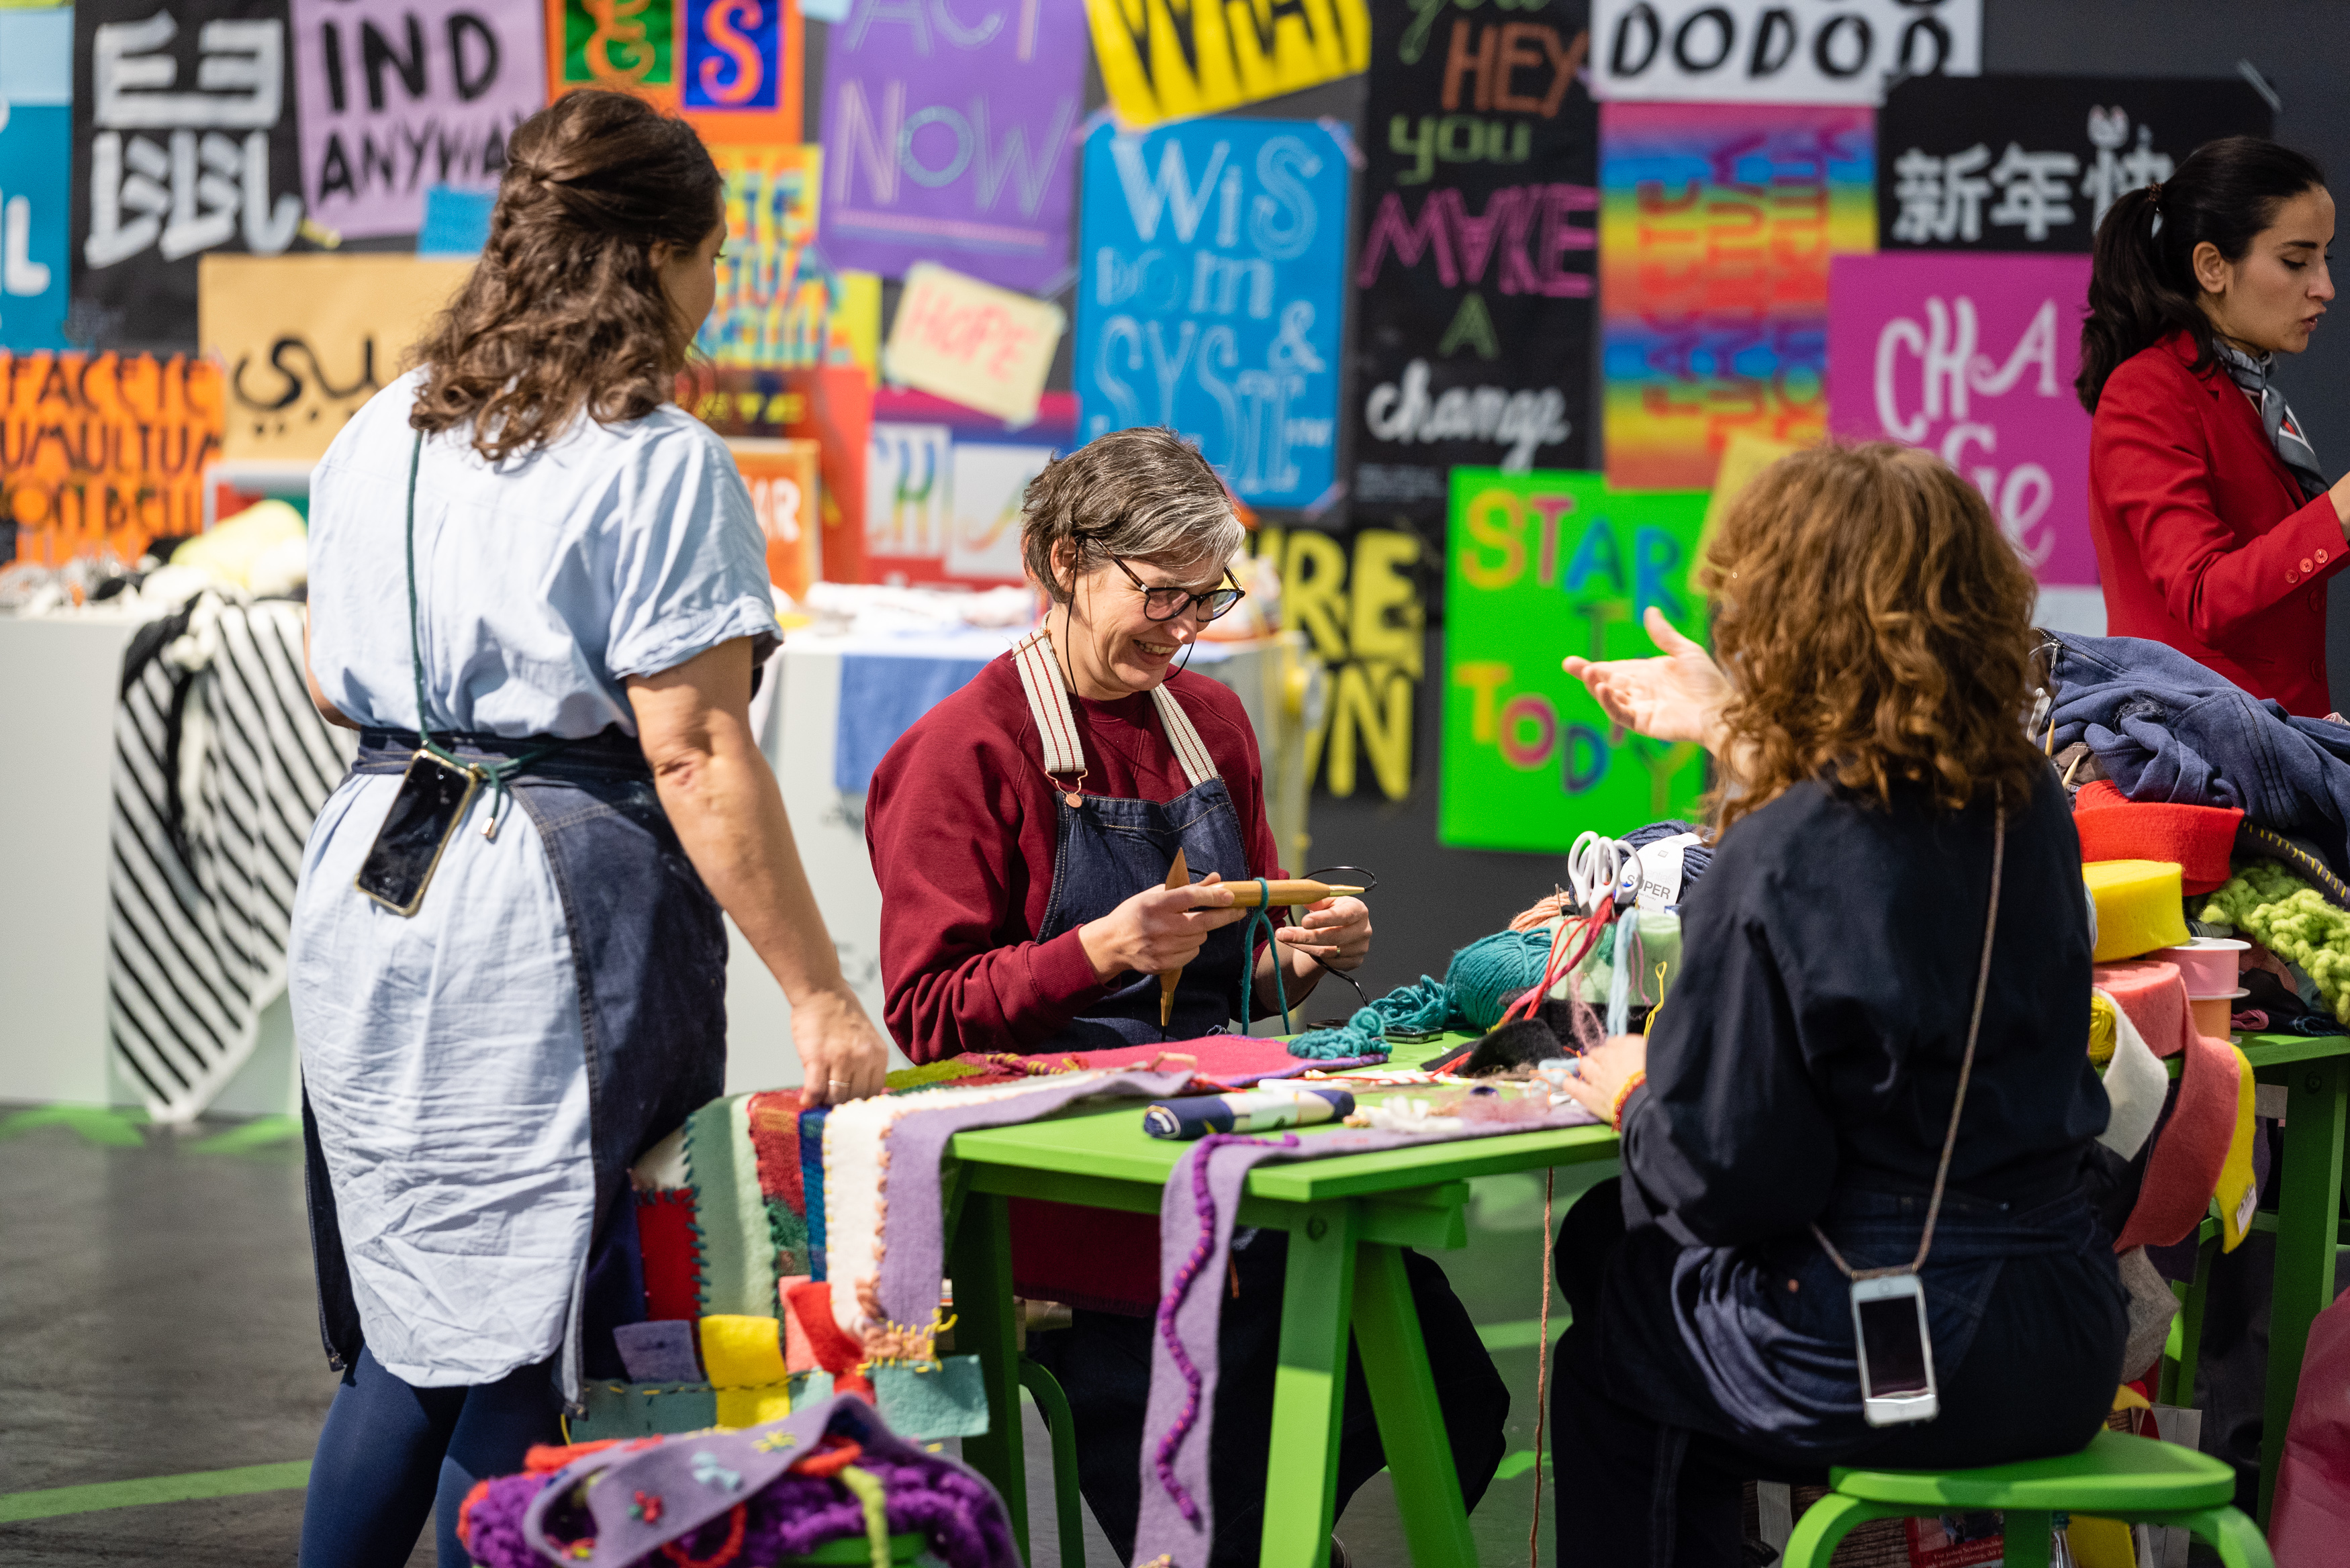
{"points": [[1022, 833]]}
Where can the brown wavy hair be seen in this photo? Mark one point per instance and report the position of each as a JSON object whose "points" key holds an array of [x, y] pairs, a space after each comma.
{"points": [[566, 311], [1875, 627]]}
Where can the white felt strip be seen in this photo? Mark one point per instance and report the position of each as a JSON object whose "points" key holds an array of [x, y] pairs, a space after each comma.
{"points": [[2135, 1084]]}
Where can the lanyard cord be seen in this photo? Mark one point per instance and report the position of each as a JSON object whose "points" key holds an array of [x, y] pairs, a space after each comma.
{"points": [[497, 772], [1966, 1070]]}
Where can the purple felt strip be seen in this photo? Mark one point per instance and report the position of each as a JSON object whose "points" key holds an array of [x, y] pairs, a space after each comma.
{"points": [[913, 1222], [1195, 1234]]}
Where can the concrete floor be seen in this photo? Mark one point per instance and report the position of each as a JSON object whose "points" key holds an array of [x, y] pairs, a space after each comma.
{"points": [[157, 1314]]}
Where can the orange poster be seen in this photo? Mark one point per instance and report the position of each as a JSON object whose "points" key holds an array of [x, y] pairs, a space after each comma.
{"points": [[104, 452], [783, 477], [731, 66]]}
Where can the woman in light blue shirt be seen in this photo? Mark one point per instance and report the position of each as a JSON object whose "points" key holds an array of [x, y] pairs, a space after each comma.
{"points": [[525, 559]]}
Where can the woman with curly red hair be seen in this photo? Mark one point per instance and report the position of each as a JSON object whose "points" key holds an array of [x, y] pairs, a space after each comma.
{"points": [[539, 593], [1880, 1034]]}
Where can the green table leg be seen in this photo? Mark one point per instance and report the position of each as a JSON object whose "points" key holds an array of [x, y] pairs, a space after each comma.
{"points": [[982, 1270], [1411, 1422], [1309, 1387], [2309, 1202]]}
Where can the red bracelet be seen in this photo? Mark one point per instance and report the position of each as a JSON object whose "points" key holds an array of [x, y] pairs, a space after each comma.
{"points": [[1616, 1111]]}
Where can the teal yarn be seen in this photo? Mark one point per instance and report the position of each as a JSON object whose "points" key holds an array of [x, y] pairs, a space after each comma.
{"points": [[1424, 1004], [1258, 917], [1493, 972]]}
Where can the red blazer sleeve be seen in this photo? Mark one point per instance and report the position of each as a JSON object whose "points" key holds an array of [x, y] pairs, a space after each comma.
{"points": [[2152, 453], [943, 823]]}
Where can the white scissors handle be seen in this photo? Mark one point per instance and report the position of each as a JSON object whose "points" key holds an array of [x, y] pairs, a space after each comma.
{"points": [[1596, 867]]}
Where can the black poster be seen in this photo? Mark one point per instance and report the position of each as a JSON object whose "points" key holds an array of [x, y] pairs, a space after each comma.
{"points": [[183, 143], [1475, 261], [2031, 163]]}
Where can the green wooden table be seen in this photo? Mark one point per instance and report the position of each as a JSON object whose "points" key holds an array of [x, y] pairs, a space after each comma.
{"points": [[1346, 1218], [2316, 1074]]}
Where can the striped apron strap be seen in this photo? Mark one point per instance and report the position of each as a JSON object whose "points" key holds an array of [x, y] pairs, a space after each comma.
{"points": [[1057, 723]]}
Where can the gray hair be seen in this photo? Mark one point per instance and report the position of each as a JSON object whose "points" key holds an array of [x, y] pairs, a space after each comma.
{"points": [[1143, 494]]}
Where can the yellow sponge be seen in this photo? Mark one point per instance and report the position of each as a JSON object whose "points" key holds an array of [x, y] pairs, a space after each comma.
{"points": [[2138, 907]]}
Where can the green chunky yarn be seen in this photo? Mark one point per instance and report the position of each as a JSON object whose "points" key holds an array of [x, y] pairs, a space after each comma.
{"points": [[2291, 918]]}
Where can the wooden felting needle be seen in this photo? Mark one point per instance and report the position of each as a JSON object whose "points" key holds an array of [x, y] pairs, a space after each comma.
{"points": [[1178, 876], [1251, 893]]}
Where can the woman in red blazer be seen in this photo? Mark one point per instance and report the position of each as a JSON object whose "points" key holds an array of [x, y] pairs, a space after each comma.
{"points": [[2215, 529]]}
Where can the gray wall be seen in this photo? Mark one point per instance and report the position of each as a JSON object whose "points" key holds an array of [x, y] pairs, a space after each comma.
{"points": [[1435, 900]]}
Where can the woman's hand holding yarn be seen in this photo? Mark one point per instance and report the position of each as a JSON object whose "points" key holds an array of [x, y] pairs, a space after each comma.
{"points": [[1675, 696], [1603, 1071]]}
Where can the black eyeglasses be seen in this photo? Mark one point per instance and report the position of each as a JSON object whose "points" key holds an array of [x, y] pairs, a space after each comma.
{"points": [[1166, 604]]}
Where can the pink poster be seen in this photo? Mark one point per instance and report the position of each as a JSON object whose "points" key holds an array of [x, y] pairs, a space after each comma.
{"points": [[1972, 357]]}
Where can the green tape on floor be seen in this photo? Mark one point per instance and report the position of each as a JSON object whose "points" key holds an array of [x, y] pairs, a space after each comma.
{"points": [[64, 1499]]}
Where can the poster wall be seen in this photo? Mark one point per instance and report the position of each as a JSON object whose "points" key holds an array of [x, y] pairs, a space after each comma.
{"points": [[951, 141], [104, 452], [944, 484], [1167, 59], [2031, 163], [1474, 272], [36, 160], [1537, 566], [731, 66], [1213, 295], [183, 142], [784, 479], [304, 342], [831, 405], [399, 98], [1778, 51], [1972, 357], [1716, 225], [774, 301]]}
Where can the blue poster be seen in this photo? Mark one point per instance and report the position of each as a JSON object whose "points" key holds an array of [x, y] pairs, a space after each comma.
{"points": [[1211, 254], [36, 166]]}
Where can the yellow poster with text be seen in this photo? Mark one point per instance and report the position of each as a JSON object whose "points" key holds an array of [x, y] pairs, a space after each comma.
{"points": [[1173, 59]]}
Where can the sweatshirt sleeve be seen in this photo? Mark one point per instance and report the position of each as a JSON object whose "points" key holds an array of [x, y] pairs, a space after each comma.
{"points": [[942, 824], [2153, 465], [1730, 1141]]}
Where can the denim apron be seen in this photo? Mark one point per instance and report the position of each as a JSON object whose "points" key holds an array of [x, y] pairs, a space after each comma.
{"points": [[648, 950], [1106, 850]]}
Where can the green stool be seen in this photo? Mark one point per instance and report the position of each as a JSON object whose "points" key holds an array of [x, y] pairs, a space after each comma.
{"points": [[1052, 1404], [2116, 1477]]}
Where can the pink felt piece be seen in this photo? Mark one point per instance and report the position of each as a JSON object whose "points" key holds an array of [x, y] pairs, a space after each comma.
{"points": [[2184, 1170], [799, 1353], [2155, 997], [2311, 1517]]}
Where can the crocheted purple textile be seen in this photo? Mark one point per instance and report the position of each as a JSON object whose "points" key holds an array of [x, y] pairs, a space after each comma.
{"points": [[684, 1488], [913, 1227], [1195, 1235]]}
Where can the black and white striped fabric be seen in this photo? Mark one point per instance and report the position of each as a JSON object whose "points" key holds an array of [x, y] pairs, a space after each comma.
{"points": [[221, 765]]}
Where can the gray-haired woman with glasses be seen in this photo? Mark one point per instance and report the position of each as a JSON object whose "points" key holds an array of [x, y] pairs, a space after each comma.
{"points": [[1022, 833]]}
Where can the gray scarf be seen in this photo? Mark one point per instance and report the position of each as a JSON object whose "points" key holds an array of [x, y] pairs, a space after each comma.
{"points": [[2276, 416]]}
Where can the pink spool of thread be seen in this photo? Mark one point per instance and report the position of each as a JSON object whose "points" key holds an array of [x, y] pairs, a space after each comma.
{"points": [[2208, 965]]}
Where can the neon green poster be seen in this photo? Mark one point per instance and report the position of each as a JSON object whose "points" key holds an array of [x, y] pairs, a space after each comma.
{"points": [[1539, 566]]}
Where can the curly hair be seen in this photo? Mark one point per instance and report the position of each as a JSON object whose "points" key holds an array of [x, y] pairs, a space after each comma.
{"points": [[565, 313], [1142, 494], [1875, 627]]}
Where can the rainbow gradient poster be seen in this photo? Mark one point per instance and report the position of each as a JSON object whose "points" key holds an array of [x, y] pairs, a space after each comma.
{"points": [[1717, 222]]}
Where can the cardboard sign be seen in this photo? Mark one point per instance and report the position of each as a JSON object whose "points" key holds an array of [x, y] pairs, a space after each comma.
{"points": [[1972, 357], [783, 480], [103, 452], [990, 479], [1165, 59], [36, 166], [950, 134], [1778, 51], [1540, 565], [943, 484], [2031, 163], [774, 304], [1213, 295], [305, 340], [831, 406], [970, 343], [1476, 269], [396, 98], [183, 143], [1716, 228], [909, 499]]}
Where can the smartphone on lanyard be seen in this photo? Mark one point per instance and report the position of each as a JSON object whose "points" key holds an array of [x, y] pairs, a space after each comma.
{"points": [[424, 816], [1897, 1357]]}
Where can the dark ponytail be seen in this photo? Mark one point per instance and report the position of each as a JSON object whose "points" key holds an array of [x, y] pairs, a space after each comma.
{"points": [[2142, 284]]}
